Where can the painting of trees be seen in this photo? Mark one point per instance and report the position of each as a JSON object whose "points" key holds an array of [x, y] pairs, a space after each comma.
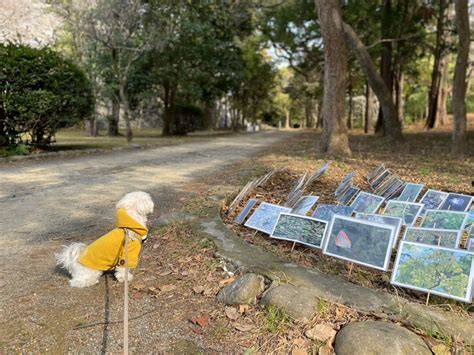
{"points": [[303, 230]]}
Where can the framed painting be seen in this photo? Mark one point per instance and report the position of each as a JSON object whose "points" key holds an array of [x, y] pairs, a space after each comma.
{"points": [[393, 190], [362, 242], [388, 183], [367, 203], [456, 202], [265, 217], [407, 211], [380, 179], [243, 214], [470, 244], [410, 192], [431, 236], [374, 173], [301, 229], [348, 195], [432, 199], [325, 212], [304, 204], [342, 187], [396, 222], [444, 220], [437, 270], [317, 174]]}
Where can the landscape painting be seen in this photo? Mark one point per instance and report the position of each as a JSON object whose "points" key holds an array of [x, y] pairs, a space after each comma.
{"points": [[437, 270], [411, 192], [432, 199], [431, 236], [305, 230], [456, 202], [407, 211], [265, 217], [380, 179], [304, 204], [342, 187], [363, 242], [367, 203], [393, 190], [396, 222], [241, 217], [347, 196], [444, 219], [374, 173], [388, 183], [318, 173], [325, 212]]}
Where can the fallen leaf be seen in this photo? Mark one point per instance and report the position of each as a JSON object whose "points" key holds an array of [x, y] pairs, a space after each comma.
{"points": [[153, 289], [167, 288], [138, 287], [156, 245], [202, 321], [184, 273], [322, 332], [302, 342], [198, 289], [227, 281], [244, 308], [298, 351], [208, 291], [165, 273], [440, 349], [137, 295], [197, 330], [325, 350], [231, 313], [243, 327]]}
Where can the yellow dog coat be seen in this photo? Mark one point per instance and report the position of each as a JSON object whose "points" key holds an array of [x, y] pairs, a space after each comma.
{"points": [[108, 251]]}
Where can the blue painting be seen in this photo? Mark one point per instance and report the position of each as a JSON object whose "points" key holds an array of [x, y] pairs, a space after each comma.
{"points": [[325, 212], [367, 203], [241, 217], [410, 192], [456, 202], [432, 199], [265, 217]]}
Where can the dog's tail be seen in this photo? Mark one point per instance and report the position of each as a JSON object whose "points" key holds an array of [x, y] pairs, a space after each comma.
{"points": [[69, 255]]}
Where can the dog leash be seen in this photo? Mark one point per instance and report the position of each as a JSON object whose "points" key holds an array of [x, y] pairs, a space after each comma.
{"points": [[125, 298]]}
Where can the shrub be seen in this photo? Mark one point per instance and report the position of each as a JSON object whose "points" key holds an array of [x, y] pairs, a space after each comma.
{"points": [[186, 118], [40, 92]]}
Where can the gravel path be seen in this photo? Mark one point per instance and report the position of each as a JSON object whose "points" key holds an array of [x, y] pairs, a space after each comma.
{"points": [[44, 204]]}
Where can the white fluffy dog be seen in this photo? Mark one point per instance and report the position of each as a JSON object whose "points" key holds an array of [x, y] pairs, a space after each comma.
{"points": [[87, 263]]}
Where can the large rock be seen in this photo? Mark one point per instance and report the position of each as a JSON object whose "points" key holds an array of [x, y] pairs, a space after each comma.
{"points": [[244, 290], [299, 303], [373, 337]]}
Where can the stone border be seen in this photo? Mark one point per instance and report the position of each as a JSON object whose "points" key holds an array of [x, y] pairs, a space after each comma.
{"points": [[250, 258]]}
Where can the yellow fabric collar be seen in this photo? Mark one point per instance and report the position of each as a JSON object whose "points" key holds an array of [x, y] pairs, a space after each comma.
{"points": [[125, 221]]}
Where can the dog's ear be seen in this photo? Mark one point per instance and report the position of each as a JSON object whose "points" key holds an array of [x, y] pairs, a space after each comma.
{"points": [[138, 201]]}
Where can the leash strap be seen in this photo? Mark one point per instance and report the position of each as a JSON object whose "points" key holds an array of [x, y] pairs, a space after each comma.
{"points": [[125, 299]]}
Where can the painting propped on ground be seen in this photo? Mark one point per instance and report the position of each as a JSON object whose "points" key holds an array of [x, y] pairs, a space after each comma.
{"points": [[431, 236], [380, 179], [265, 217], [407, 211], [242, 215], [301, 229], [348, 195], [470, 244], [367, 203], [456, 202], [396, 222], [362, 242], [437, 270], [410, 192], [444, 219], [432, 199], [374, 173], [304, 204], [325, 212]]}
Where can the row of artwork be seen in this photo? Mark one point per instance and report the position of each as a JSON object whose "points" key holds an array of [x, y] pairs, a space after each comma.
{"points": [[428, 257]]}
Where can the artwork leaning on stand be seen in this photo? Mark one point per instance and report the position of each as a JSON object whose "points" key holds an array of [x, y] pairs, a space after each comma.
{"points": [[432, 236], [444, 220], [363, 242], [265, 216], [301, 229], [437, 270], [407, 211]]}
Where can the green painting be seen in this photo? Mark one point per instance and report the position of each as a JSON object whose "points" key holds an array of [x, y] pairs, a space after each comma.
{"points": [[300, 229], [430, 236], [367, 203], [441, 271], [407, 211], [444, 219]]}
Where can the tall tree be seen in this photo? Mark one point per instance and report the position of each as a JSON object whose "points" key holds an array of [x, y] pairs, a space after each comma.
{"points": [[334, 138], [459, 143]]}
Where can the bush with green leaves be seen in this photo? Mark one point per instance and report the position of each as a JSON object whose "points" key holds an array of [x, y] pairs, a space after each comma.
{"points": [[40, 92]]}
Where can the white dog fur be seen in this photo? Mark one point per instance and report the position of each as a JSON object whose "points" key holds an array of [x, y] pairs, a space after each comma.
{"points": [[138, 205]]}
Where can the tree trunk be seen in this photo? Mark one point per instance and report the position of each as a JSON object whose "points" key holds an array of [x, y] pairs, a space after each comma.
{"points": [[349, 114], [390, 117], [126, 111], [386, 71], [208, 116], [319, 120], [113, 119], [459, 144], [368, 108], [334, 138], [443, 95], [287, 119], [399, 96], [168, 115], [433, 95]]}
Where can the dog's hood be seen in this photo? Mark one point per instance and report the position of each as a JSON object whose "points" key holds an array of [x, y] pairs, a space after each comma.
{"points": [[125, 221]]}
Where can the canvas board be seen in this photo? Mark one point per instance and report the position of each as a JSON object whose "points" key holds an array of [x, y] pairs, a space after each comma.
{"points": [[393, 190], [432, 199], [437, 270], [374, 173], [346, 198], [296, 187], [325, 212], [385, 185], [304, 204], [456, 202], [318, 173], [265, 217], [396, 222], [367, 203], [380, 179], [444, 220], [410, 192], [248, 207], [342, 187], [470, 221], [407, 211], [362, 242], [301, 229], [431, 236], [470, 244]]}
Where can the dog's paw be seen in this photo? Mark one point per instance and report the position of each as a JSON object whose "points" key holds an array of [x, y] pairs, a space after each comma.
{"points": [[120, 275], [79, 283]]}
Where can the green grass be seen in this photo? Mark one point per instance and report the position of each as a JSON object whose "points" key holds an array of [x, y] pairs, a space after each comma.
{"points": [[276, 319]]}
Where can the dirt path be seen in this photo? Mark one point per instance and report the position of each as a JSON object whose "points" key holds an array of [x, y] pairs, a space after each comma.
{"points": [[48, 203]]}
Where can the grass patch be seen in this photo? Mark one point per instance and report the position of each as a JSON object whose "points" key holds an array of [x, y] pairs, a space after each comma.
{"points": [[276, 319]]}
